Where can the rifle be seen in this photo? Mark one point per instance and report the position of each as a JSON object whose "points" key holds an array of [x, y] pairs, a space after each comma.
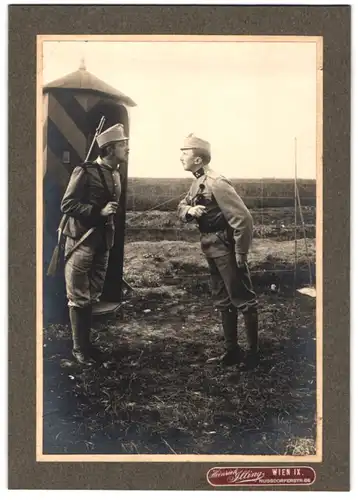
{"points": [[57, 254]]}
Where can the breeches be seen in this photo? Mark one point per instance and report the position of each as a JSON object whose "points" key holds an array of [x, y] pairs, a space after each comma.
{"points": [[231, 285], [85, 272]]}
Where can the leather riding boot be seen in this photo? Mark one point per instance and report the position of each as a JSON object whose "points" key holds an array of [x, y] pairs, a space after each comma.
{"points": [[88, 319], [80, 335], [251, 325], [232, 355], [94, 351]]}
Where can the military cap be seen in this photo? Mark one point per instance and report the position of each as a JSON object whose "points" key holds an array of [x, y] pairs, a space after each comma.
{"points": [[193, 142], [112, 134]]}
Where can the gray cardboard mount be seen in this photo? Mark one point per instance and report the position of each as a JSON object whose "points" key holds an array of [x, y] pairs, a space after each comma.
{"points": [[28, 21]]}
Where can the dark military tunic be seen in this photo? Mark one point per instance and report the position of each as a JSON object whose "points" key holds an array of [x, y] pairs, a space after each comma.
{"points": [[226, 230], [87, 193]]}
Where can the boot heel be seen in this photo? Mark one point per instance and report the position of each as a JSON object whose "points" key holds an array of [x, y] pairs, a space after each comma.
{"points": [[82, 359]]}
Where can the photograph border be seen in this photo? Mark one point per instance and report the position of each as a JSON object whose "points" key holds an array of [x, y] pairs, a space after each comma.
{"points": [[331, 23], [41, 39]]}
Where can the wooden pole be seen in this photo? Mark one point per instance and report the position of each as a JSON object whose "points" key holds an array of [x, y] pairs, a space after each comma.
{"points": [[295, 191], [262, 209]]}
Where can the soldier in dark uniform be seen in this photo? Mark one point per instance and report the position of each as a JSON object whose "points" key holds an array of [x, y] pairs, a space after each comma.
{"points": [[91, 200], [226, 228]]}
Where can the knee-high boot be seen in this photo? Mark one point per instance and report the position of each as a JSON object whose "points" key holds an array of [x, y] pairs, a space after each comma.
{"points": [[94, 351], [229, 323], [252, 335], [251, 326], [79, 318], [232, 355]]}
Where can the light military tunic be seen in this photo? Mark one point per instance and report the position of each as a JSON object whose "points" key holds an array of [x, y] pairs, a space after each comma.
{"points": [[227, 225]]}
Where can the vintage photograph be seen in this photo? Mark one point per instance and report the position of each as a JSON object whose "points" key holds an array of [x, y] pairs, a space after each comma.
{"points": [[179, 248]]}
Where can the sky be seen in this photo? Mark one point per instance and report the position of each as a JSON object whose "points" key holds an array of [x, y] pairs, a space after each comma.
{"points": [[250, 100]]}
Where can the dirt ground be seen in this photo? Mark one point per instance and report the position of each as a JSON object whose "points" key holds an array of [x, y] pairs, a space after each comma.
{"points": [[158, 395]]}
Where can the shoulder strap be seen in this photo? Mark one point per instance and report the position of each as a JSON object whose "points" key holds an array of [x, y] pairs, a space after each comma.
{"points": [[105, 185], [214, 175]]}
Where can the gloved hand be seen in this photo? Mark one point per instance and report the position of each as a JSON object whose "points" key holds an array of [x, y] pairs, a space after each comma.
{"points": [[196, 211]]}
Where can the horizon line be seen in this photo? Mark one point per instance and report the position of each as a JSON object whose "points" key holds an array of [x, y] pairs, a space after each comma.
{"points": [[233, 178]]}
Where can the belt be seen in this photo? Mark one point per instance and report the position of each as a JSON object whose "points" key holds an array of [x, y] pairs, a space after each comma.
{"points": [[209, 230]]}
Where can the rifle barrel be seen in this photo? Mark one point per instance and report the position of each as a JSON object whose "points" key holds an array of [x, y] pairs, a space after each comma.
{"points": [[98, 131]]}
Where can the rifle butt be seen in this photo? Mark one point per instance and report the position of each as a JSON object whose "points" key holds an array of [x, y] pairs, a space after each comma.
{"points": [[53, 267]]}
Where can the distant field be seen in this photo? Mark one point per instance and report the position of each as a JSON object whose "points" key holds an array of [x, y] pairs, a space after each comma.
{"points": [[274, 223], [143, 194]]}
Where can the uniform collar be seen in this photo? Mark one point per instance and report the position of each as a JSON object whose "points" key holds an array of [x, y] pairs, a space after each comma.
{"points": [[101, 162], [199, 173]]}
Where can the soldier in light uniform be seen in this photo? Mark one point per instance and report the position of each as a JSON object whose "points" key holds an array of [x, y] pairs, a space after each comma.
{"points": [[226, 228], [91, 200]]}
